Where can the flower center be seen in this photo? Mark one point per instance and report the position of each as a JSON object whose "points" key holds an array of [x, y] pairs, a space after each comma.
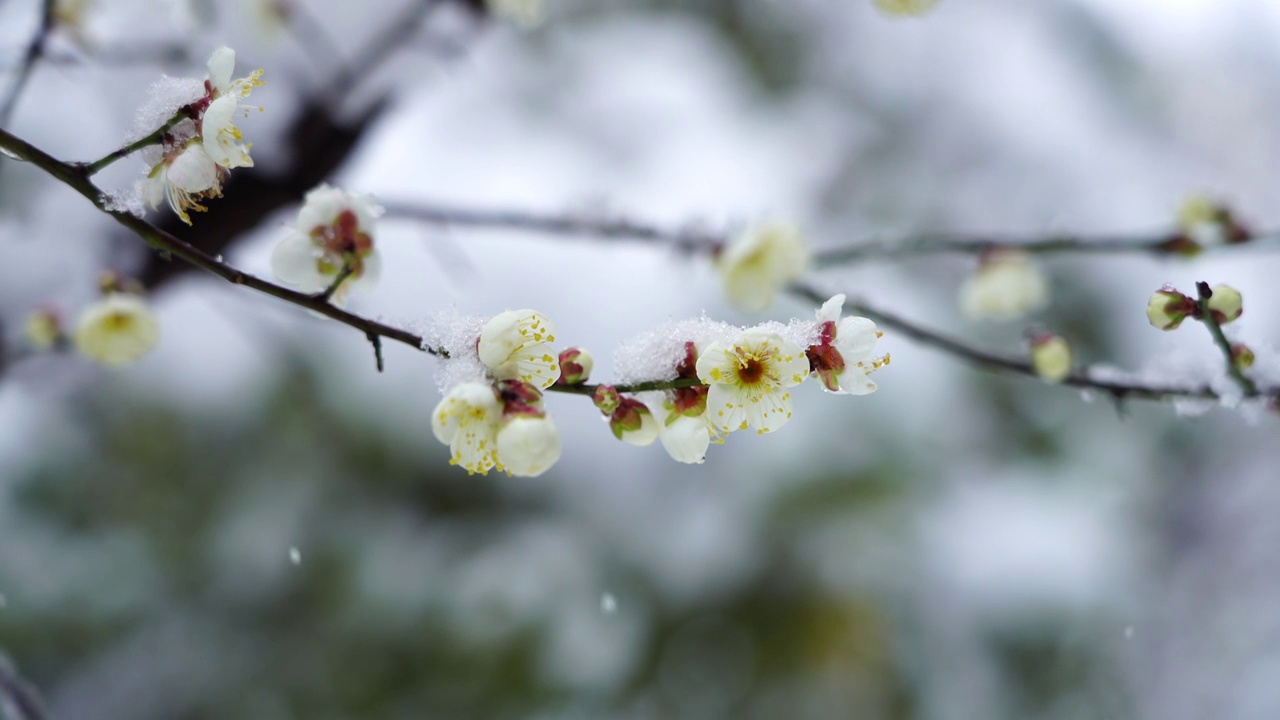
{"points": [[751, 371]]}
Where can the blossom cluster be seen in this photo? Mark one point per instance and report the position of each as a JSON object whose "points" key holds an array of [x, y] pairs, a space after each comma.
{"points": [[117, 330], [739, 380], [198, 152]]}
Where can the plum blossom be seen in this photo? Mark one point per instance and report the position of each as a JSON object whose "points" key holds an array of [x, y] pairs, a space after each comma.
{"points": [[1051, 357], [467, 421], [183, 177], [759, 263], [332, 235], [749, 380], [117, 330], [516, 345], [842, 358], [905, 8], [222, 139], [528, 445]]}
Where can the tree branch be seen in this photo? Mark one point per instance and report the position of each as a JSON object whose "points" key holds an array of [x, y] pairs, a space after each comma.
{"points": [[1220, 339], [34, 49]]}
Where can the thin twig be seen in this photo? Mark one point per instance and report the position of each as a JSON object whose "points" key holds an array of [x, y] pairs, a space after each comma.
{"points": [[17, 694], [1164, 244], [1220, 339], [563, 225], [399, 31], [1080, 378], [34, 49], [155, 138], [327, 294]]}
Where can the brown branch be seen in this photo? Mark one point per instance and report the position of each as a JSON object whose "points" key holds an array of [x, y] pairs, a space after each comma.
{"points": [[33, 52]]}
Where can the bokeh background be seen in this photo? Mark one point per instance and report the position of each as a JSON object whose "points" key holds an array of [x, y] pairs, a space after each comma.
{"points": [[254, 523]]}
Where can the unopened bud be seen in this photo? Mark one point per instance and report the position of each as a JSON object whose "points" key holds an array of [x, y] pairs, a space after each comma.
{"points": [[44, 329], [1167, 308], [633, 423], [1241, 356], [1226, 304], [1051, 357], [575, 366], [607, 399]]}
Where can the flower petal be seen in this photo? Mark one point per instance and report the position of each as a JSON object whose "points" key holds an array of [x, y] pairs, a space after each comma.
{"points": [[528, 446], [855, 339], [295, 261], [221, 64], [686, 439]]}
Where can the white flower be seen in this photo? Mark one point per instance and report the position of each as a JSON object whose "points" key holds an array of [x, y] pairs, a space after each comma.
{"points": [[183, 178], [842, 358], [528, 445], [749, 379], [633, 423], [222, 139], [516, 345], [43, 329], [687, 438], [116, 330], [1006, 285], [526, 13], [758, 263], [900, 8], [467, 421], [334, 230]]}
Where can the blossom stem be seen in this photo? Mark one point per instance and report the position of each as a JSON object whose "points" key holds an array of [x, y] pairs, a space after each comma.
{"points": [[327, 294], [154, 138], [1211, 324]]}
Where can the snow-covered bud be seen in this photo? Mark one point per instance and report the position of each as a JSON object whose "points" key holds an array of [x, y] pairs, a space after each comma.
{"points": [[332, 235], [1007, 284], [528, 445], [1051, 357], [1226, 304], [633, 423], [517, 345], [575, 366], [117, 330], [750, 380], [759, 263], [842, 358], [467, 421], [44, 329], [1167, 308], [1241, 356], [905, 8]]}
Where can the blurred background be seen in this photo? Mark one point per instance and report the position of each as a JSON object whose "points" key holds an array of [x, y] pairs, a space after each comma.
{"points": [[252, 522]]}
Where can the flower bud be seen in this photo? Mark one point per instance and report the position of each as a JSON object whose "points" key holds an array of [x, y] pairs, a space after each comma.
{"points": [[44, 329], [606, 399], [1241, 356], [1007, 284], [528, 445], [575, 366], [1226, 304], [1167, 308], [1051, 357], [632, 423]]}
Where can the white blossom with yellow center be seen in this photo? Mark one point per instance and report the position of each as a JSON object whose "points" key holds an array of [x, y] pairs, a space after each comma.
{"points": [[749, 380], [528, 445], [516, 345], [1007, 285], [467, 421], [182, 179], [853, 339], [117, 330], [759, 263], [222, 139]]}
